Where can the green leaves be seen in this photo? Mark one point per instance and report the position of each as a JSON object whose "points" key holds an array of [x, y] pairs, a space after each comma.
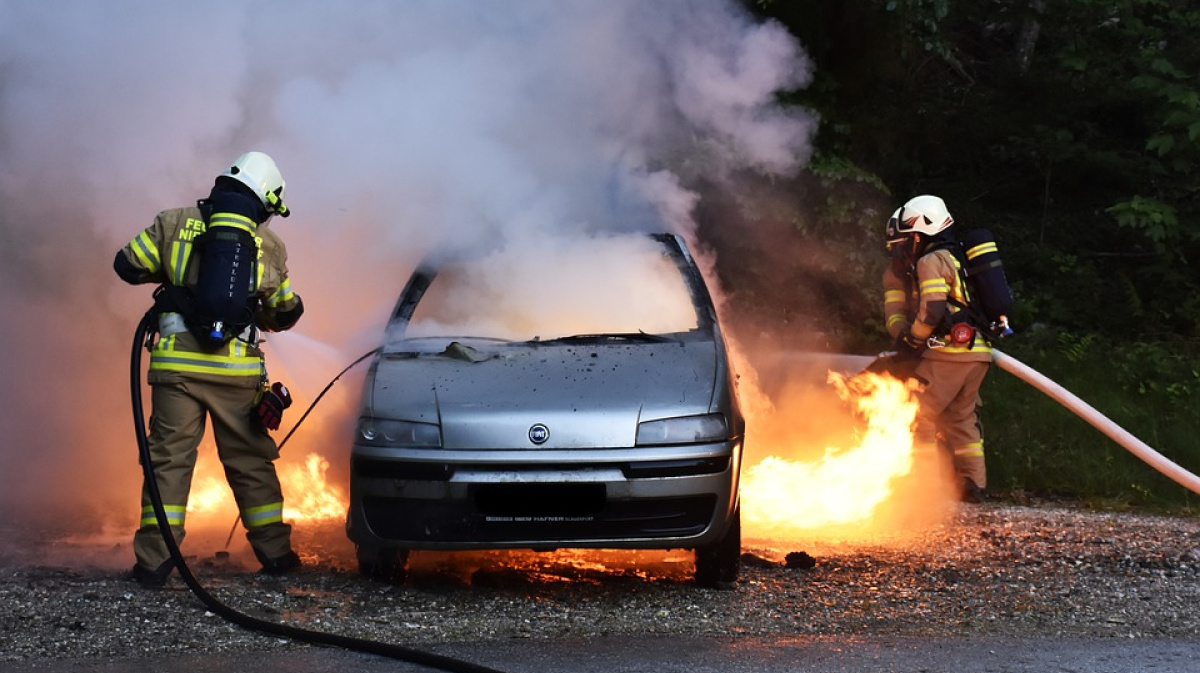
{"points": [[1155, 219]]}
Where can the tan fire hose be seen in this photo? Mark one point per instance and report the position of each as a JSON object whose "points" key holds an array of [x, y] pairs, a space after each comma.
{"points": [[1101, 422]]}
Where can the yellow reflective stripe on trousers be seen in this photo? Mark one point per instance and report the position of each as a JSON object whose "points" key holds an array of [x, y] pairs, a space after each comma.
{"points": [[164, 357], [972, 449], [175, 515], [255, 517]]}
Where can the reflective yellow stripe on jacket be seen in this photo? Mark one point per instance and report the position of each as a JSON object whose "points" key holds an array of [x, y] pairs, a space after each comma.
{"points": [[283, 294], [981, 346], [895, 308], [235, 359], [147, 253]]}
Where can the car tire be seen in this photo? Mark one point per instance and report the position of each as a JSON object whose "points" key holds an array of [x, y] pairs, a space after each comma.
{"points": [[389, 565], [718, 564]]}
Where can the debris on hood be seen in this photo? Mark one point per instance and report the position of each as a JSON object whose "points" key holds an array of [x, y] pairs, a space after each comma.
{"points": [[459, 351]]}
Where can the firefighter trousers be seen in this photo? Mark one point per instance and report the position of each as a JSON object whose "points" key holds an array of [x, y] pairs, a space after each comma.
{"points": [[177, 424], [949, 411]]}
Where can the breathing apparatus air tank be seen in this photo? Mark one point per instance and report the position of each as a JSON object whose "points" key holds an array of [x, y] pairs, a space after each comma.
{"points": [[227, 257], [989, 285]]}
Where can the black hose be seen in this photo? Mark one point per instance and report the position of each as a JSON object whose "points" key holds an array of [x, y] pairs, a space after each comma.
{"points": [[420, 657], [307, 411], [364, 356]]}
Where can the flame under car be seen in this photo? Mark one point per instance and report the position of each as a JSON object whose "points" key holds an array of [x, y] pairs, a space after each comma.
{"points": [[569, 395]]}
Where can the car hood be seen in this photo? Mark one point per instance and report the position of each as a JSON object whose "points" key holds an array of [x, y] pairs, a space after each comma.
{"points": [[587, 396]]}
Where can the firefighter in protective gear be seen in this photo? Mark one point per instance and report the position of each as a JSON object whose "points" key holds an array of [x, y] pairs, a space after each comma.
{"points": [[922, 286], [192, 381]]}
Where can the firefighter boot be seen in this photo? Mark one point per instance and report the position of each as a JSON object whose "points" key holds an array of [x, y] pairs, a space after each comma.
{"points": [[971, 493], [152, 579], [280, 565]]}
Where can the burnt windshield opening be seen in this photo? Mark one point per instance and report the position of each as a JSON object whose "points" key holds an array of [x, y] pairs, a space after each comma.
{"points": [[634, 289]]}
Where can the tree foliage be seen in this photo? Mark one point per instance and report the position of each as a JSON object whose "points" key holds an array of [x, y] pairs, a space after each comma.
{"points": [[1071, 129]]}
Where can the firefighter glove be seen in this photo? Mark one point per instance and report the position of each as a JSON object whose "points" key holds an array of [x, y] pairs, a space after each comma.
{"points": [[895, 366], [908, 347], [270, 408]]}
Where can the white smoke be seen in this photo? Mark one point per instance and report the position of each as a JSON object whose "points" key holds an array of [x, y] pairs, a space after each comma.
{"points": [[397, 125]]}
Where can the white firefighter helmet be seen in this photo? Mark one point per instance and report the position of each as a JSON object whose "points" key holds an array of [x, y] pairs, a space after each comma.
{"points": [[258, 171], [893, 235], [924, 214]]}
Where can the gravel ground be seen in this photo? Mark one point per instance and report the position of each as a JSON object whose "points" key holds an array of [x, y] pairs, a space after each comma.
{"points": [[995, 570]]}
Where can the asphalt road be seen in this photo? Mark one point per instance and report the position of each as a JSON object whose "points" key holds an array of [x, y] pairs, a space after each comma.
{"points": [[699, 655]]}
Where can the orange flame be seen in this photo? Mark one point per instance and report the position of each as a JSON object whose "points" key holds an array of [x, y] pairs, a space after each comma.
{"points": [[308, 496], [846, 488], [209, 495]]}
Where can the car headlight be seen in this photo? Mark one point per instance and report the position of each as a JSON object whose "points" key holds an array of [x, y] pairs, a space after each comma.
{"points": [[683, 430], [386, 432]]}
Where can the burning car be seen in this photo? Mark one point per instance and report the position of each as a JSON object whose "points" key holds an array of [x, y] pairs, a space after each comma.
{"points": [[563, 395]]}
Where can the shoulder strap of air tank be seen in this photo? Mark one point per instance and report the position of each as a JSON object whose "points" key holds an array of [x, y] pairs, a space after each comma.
{"points": [[970, 308], [179, 298]]}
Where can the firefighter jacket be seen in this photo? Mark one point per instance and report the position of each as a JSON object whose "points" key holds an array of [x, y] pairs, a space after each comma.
{"points": [[922, 300], [160, 254]]}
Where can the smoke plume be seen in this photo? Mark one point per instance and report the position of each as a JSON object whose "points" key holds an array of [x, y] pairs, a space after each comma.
{"points": [[399, 126]]}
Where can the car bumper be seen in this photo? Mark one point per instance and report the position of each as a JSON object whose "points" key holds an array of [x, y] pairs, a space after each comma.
{"points": [[659, 498]]}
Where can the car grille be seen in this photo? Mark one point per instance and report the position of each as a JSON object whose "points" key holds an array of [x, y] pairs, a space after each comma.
{"points": [[513, 513]]}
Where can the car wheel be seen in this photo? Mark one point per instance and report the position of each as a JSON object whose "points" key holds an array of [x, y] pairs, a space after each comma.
{"points": [[717, 565], [390, 565]]}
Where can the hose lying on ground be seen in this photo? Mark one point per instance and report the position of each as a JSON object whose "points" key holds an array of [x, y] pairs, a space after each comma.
{"points": [[430, 659], [1098, 420]]}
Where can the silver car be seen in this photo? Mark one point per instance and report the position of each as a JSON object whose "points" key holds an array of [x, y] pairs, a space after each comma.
{"points": [[565, 394]]}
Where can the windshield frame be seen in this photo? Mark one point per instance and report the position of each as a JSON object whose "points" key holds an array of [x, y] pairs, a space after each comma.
{"points": [[418, 284]]}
